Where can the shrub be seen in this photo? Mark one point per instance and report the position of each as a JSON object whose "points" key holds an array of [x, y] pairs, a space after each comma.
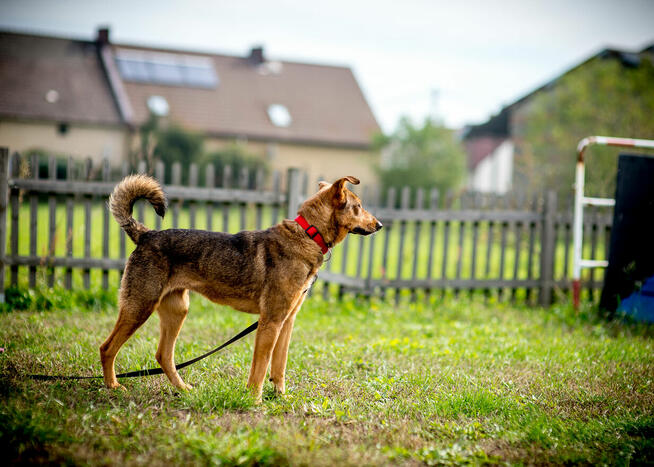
{"points": [[236, 156]]}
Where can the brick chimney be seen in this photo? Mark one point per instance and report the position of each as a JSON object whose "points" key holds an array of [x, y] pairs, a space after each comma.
{"points": [[102, 36], [256, 55], [113, 75]]}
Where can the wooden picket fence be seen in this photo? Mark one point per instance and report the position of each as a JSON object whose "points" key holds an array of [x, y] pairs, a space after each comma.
{"points": [[469, 243], [508, 246]]}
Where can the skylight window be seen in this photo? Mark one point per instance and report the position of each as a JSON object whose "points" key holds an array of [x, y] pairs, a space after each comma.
{"points": [[158, 105], [164, 68], [166, 73], [132, 70], [279, 115], [200, 77]]}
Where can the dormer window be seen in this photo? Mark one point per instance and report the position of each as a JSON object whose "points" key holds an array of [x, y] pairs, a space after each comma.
{"points": [[279, 115], [158, 105]]}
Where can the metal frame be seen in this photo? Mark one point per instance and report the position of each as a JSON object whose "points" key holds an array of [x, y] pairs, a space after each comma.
{"points": [[581, 200]]}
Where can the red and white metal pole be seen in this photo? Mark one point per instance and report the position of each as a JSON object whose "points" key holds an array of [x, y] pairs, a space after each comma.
{"points": [[581, 201]]}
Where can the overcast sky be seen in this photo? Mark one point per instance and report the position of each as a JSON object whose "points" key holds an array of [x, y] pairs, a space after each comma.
{"points": [[460, 60]]}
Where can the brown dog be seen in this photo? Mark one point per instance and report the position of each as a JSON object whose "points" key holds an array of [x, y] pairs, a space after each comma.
{"points": [[262, 272]]}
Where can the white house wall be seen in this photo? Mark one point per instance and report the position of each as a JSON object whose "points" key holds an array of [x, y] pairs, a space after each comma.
{"points": [[495, 172]]}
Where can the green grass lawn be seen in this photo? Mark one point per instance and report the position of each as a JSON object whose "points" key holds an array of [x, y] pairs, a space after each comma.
{"points": [[451, 382]]}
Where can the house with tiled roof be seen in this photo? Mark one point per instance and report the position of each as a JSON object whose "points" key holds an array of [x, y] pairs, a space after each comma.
{"points": [[493, 147], [88, 98]]}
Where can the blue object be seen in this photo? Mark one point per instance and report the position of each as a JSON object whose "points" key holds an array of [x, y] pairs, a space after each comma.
{"points": [[640, 304]]}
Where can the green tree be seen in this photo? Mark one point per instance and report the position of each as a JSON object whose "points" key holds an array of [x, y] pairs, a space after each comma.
{"points": [[172, 143], [176, 144], [168, 143], [601, 97], [421, 156]]}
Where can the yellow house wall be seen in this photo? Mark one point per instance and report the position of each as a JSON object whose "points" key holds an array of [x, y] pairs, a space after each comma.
{"points": [[81, 141], [320, 163]]}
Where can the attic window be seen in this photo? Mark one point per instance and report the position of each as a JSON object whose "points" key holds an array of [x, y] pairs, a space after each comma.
{"points": [[158, 105], [164, 68], [279, 115], [52, 96]]}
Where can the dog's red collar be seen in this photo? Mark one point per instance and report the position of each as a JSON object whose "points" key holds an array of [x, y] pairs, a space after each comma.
{"points": [[313, 233]]}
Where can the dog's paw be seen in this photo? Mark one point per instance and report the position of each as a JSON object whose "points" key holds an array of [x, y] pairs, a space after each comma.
{"points": [[117, 386], [279, 387], [182, 386]]}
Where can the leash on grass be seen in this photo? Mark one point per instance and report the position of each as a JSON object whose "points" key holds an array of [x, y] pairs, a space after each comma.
{"points": [[154, 371]]}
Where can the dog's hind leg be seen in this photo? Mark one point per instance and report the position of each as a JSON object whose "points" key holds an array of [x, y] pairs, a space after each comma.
{"points": [[172, 309], [131, 316]]}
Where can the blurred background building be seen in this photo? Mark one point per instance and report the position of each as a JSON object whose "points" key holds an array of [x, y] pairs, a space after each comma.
{"points": [[432, 79], [529, 145], [93, 98]]}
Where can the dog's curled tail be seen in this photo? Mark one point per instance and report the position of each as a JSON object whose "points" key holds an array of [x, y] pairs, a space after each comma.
{"points": [[126, 193]]}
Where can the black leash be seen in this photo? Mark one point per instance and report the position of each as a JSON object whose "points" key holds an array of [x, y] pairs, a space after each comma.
{"points": [[156, 371]]}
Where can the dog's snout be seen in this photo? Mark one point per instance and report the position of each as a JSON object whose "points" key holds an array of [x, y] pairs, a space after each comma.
{"points": [[378, 226]]}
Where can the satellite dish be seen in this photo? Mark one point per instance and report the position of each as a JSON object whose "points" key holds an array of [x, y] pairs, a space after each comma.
{"points": [[158, 105]]}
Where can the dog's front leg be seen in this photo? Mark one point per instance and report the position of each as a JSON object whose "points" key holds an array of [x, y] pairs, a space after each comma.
{"points": [[280, 353], [264, 342]]}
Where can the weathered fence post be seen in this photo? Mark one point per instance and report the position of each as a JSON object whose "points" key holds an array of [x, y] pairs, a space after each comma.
{"points": [[14, 202], [293, 192], [548, 243], [4, 190]]}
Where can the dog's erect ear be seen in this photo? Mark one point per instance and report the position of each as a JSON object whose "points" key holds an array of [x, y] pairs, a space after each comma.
{"points": [[340, 183], [322, 185], [351, 179], [338, 188]]}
